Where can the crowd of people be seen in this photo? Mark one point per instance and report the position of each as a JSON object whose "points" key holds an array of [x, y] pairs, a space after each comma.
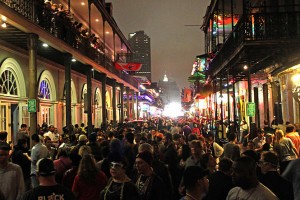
{"points": [[151, 160]]}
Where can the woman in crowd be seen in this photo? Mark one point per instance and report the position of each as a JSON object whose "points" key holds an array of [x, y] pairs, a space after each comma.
{"points": [[119, 186], [89, 181]]}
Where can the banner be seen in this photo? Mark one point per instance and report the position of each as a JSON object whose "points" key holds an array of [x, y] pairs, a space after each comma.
{"points": [[128, 66]]}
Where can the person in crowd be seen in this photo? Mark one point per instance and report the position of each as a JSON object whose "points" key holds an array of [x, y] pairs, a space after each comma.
{"points": [[186, 130], [248, 186], [93, 144], [20, 157], [89, 181], [23, 133], [231, 149], [62, 164], [195, 182], [207, 161], [104, 164], [259, 141], [160, 168], [54, 136], [11, 176], [120, 186], [243, 132], [220, 182], [129, 152], [214, 148], [292, 174], [149, 184], [196, 147], [284, 148], [293, 135], [38, 151], [3, 137], [69, 175], [51, 150], [268, 146], [271, 178], [48, 188]]}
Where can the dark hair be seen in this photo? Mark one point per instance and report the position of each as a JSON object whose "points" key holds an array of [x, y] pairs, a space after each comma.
{"points": [[23, 126], [129, 137], [35, 137], [87, 169], [192, 174], [225, 164], [290, 128], [231, 136], [21, 142], [3, 135], [248, 163], [252, 154]]}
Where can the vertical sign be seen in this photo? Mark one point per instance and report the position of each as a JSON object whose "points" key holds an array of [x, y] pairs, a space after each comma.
{"points": [[31, 105]]}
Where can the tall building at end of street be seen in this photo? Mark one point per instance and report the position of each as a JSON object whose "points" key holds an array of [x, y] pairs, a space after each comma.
{"points": [[169, 90], [140, 43]]}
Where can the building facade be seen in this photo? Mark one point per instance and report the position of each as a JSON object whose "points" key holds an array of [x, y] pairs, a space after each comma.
{"points": [[253, 57], [141, 44], [57, 66]]}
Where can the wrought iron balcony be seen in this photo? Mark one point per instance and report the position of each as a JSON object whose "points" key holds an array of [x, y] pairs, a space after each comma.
{"points": [[61, 27], [257, 30]]}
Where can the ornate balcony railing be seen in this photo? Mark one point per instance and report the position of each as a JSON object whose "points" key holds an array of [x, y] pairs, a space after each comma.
{"points": [[258, 27], [60, 25]]}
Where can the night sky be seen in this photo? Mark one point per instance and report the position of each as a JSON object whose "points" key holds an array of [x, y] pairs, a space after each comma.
{"points": [[174, 46]]}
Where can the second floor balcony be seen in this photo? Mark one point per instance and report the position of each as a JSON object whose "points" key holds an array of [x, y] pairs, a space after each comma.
{"points": [[258, 39]]}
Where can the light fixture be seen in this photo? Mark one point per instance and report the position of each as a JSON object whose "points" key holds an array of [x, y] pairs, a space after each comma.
{"points": [[97, 20], [3, 18], [45, 45], [82, 3], [3, 25], [245, 67], [73, 60], [107, 32]]}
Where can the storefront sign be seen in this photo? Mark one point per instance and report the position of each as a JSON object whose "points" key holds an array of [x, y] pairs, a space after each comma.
{"points": [[31, 105], [250, 109]]}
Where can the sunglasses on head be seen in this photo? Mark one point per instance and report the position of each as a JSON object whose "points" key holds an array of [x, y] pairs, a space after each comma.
{"points": [[116, 165]]}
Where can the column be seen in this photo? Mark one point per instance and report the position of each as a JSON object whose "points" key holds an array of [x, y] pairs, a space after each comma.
{"points": [[32, 42], [228, 98], [137, 105], [114, 107], [88, 101], [67, 63], [103, 96], [132, 103], [127, 103], [122, 103]]}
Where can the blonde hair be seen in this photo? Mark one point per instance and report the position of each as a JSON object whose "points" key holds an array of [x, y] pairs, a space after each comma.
{"points": [[278, 136], [84, 150]]}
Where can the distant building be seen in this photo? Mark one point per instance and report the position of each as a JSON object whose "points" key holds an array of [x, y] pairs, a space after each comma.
{"points": [[140, 43], [169, 90]]}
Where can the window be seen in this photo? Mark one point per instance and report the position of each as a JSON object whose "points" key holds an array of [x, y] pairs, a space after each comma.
{"points": [[8, 84]]}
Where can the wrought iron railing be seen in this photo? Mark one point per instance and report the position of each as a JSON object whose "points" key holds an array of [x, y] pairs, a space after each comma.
{"points": [[258, 27], [61, 26]]}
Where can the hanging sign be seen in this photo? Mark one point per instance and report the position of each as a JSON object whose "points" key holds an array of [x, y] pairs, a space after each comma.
{"points": [[31, 105], [250, 109]]}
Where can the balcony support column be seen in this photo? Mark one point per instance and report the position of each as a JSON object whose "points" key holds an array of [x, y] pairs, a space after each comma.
{"points": [[221, 105], [88, 101], [132, 105], [249, 92], [137, 105], [127, 103], [234, 105], [68, 96], [32, 42], [228, 98], [122, 103], [114, 107], [103, 96], [216, 103]]}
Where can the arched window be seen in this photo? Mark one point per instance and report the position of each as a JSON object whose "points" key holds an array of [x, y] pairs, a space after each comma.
{"points": [[8, 83], [44, 90]]}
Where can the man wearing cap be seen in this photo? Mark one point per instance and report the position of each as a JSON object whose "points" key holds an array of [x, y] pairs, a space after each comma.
{"points": [[281, 187], [149, 184], [48, 188], [38, 151], [195, 182], [11, 176]]}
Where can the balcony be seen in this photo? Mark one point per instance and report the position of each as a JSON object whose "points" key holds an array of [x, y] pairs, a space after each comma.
{"points": [[258, 39], [59, 27]]}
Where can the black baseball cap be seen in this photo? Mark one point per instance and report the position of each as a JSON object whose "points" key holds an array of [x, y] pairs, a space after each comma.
{"points": [[45, 167]]}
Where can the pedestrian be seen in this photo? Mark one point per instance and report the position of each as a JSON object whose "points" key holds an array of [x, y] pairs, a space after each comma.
{"points": [[48, 188], [11, 176]]}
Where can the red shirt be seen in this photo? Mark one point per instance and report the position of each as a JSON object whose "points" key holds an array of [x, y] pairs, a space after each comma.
{"points": [[89, 191], [294, 136]]}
